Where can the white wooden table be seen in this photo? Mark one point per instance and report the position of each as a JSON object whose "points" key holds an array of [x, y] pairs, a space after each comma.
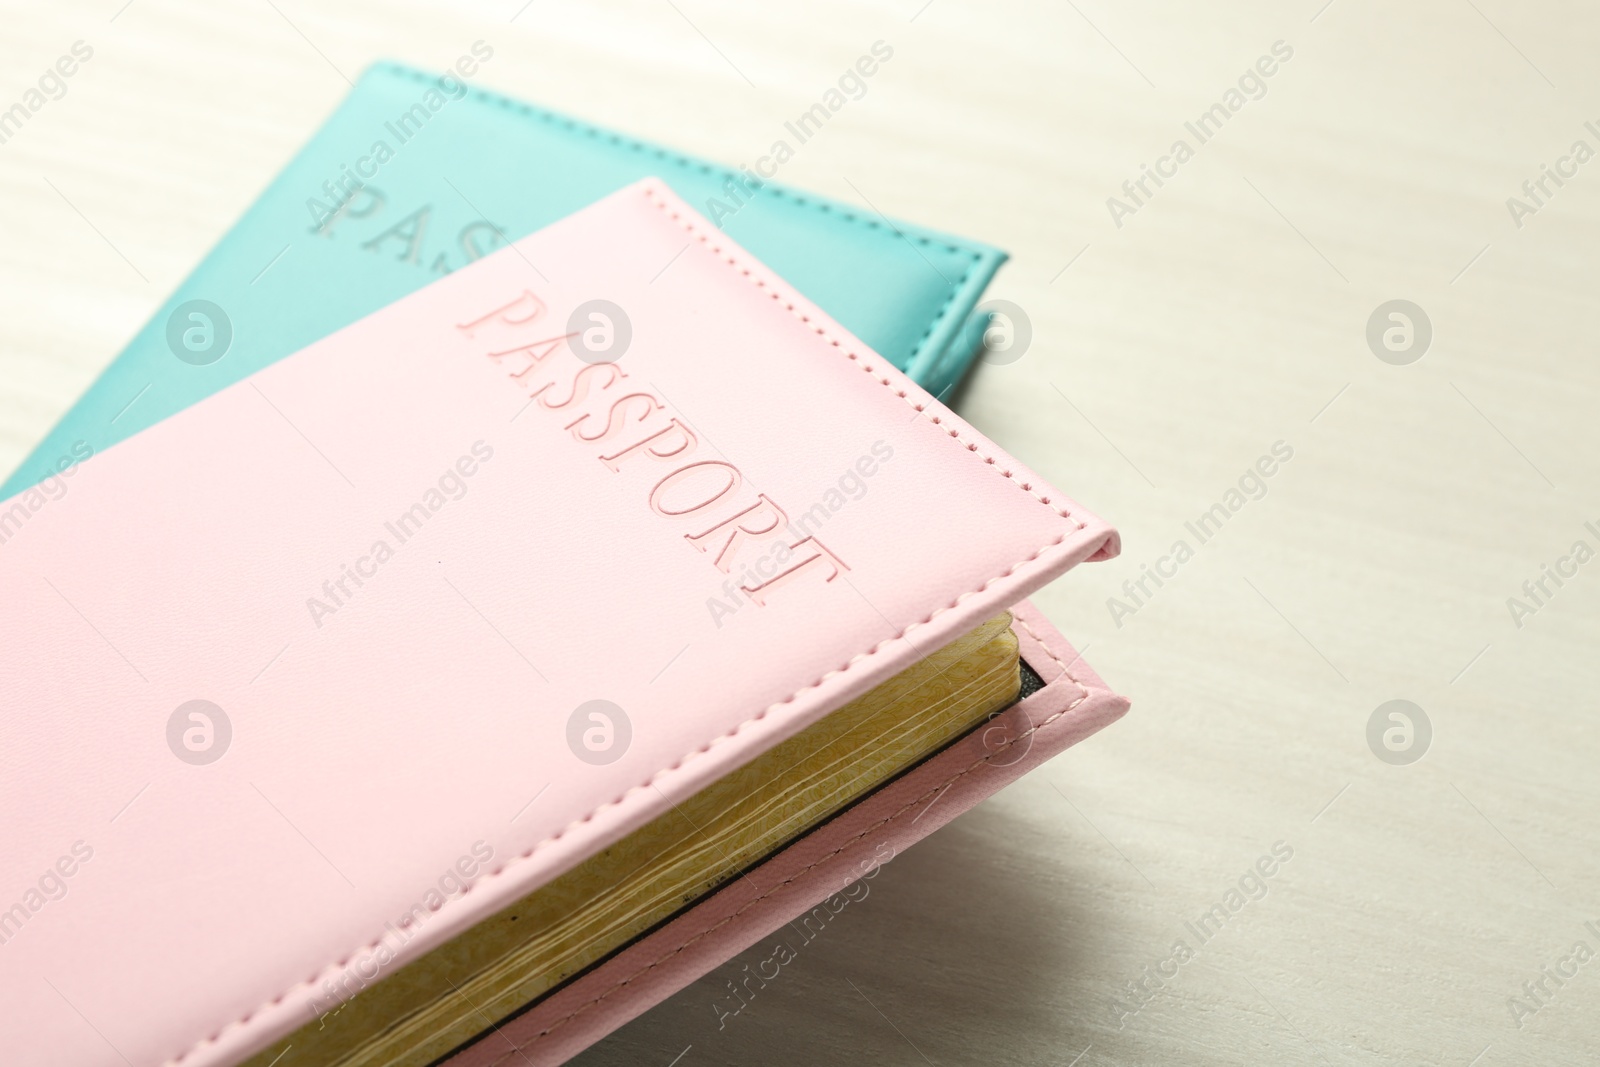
{"points": [[1226, 313]]}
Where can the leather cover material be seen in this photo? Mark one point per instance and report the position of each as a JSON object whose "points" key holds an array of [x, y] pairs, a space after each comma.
{"points": [[1073, 704], [400, 565], [485, 166]]}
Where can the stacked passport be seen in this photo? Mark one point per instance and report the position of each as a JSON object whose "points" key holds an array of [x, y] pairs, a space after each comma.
{"points": [[454, 686]]}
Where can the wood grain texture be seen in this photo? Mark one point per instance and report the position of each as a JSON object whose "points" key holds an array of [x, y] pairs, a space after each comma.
{"points": [[1227, 313]]}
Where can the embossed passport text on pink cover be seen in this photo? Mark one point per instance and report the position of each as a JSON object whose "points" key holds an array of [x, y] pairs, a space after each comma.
{"points": [[317, 649]]}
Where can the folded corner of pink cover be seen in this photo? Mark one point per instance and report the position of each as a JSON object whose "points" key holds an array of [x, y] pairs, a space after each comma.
{"points": [[1073, 704]]}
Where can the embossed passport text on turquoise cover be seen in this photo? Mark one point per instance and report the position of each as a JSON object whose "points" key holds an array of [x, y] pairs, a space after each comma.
{"points": [[415, 175]]}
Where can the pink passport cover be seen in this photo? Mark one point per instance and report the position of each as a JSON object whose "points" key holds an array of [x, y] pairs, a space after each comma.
{"points": [[397, 764]]}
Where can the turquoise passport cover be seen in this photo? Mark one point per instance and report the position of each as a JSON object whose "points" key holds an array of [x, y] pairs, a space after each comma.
{"points": [[449, 172]]}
